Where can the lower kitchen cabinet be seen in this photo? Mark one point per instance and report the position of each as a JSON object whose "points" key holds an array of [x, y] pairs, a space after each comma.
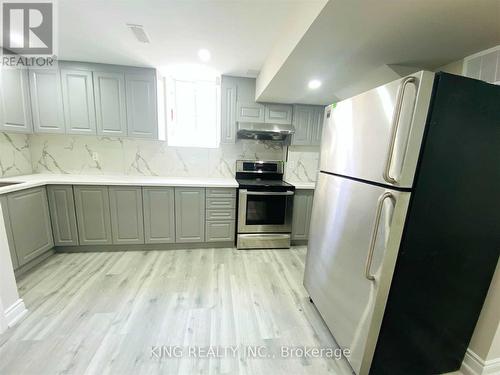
{"points": [[30, 233], [159, 214], [93, 215], [220, 231], [302, 209], [127, 223], [190, 214], [63, 215]]}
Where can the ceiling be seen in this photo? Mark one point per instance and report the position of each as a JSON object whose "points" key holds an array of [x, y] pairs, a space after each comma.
{"points": [[352, 44], [239, 34]]}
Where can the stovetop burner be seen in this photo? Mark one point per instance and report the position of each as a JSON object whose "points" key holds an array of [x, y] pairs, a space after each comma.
{"points": [[261, 175]]}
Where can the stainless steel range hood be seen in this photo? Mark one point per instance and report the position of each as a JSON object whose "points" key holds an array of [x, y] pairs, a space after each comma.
{"points": [[260, 131]]}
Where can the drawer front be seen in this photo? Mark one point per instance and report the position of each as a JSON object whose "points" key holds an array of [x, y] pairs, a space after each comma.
{"points": [[221, 192], [218, 203], [219, 231], [224, 214]]}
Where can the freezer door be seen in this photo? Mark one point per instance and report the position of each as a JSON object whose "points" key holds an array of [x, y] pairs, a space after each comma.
{"points": [[354, 240], [376, 136]]}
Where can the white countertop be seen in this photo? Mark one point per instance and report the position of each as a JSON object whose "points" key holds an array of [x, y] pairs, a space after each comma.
{"points": [[33, 180], [303, 185]]}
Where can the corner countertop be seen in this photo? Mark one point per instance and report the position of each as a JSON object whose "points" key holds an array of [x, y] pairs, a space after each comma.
{"points": [[300, 185], [33, 180]]}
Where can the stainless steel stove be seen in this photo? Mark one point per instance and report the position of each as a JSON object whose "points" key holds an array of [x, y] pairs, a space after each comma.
{"points": [[265, 205]]}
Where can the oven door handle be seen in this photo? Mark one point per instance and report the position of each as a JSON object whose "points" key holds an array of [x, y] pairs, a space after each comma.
{"points": [[267, 192]]}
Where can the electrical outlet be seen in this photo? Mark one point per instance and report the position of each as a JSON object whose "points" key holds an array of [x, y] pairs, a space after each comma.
{"points": [[95, 157]]}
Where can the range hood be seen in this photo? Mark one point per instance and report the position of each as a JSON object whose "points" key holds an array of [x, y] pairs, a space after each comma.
{"points": [[261, 131]]}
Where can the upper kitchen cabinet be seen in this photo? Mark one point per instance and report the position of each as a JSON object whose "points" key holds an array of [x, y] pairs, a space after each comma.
{"points": [[78, 99], [47, 101], [247, 110], [15, 107], [278, 114], [229, 89], [308, 124], [110, 103], [141, 105]]}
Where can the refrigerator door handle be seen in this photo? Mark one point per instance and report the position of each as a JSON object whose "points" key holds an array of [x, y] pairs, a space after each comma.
{"points": [[395, 125], [373, 240]]}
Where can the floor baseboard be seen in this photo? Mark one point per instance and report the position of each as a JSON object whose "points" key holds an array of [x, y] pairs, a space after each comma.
{"points": [[475, 365], [15, 312]]}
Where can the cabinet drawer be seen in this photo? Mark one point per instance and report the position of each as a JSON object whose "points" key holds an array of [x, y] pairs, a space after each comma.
{"points": [[216, 203], [224, 214], [221, 192], [218, 231]]}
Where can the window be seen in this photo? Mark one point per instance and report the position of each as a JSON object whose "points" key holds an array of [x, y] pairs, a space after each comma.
{"points": [[192, 111]]}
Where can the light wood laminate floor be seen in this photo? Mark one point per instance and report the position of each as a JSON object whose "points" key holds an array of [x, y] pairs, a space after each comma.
{"points": [[99, 313]]}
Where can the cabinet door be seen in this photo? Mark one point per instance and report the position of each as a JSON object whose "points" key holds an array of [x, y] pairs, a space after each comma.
{"points": [[220, 231], [317, 126], [30, 223], [278, 114], [93, 215], [78, 100], [127, 222], [250, 112], [109, 93], [159, 214], [15, 108], [302, 122], [46, 101], [141, 105], [189, 214], [8, 229], [63, 215], [228, 110], [302, 206]]}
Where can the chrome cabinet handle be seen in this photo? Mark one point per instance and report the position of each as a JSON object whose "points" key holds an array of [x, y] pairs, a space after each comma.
{"points": [[395, 125], [373, 240]]}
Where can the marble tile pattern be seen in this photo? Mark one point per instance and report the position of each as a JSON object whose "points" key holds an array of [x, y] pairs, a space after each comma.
{"points": [[302, 164], [74, 154], [15, 157]]}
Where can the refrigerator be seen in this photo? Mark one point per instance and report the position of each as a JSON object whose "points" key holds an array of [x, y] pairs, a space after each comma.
{"points": [[405, 229]]}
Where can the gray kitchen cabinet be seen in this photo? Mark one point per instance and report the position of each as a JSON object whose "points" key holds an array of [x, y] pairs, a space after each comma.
{"points": [[8, 230], [47, 101], [93, 215], [278, 114], [189, 214], [220, 231], [141, 105], [250, 112], [127, 222], [29, 218], [159, 214], [63, 215], [247, 110], [110, 104], [308, 124], [15, 107], [78, 101], [317, 126], [229, 89], [302, 209]]}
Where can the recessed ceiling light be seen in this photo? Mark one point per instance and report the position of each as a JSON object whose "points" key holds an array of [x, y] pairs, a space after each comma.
{"points": [[314, 84], [139, 33], [204, 54]]}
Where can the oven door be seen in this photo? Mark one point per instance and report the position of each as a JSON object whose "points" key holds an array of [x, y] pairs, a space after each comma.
{"points": [[265, 211]]}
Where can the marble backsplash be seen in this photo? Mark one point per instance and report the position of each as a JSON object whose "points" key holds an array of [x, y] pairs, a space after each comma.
{"points": [[49, 153], [15, 157], [302, 163], [104, 155]]}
